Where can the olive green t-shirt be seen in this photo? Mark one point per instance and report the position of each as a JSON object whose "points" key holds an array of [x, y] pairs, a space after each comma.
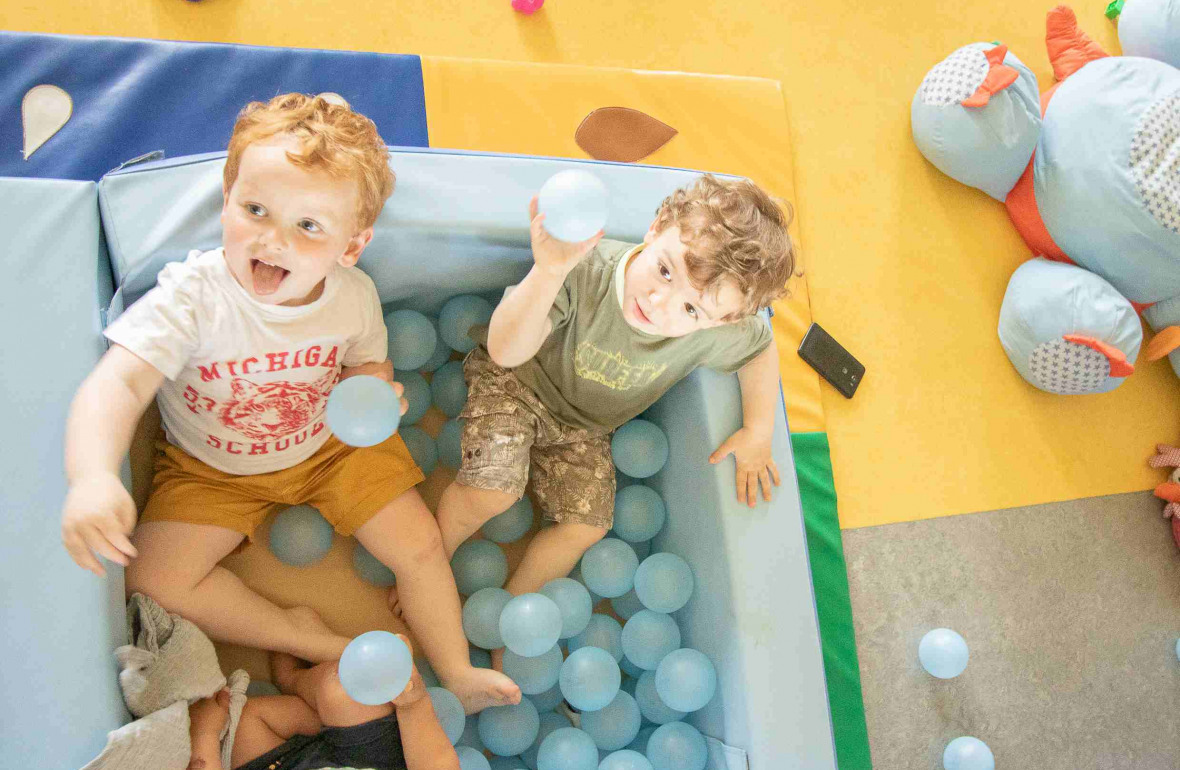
{"points": [[596, 371]]}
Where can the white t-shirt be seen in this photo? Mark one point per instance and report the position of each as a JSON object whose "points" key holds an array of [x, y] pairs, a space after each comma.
{"points": [[247, 383]]}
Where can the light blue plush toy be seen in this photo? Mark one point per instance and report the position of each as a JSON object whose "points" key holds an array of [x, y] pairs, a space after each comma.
{"points": [[1090, 174]]}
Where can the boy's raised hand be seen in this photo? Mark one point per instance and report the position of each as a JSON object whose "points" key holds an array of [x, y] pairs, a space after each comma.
{"points": [[551, 255], [97, 517], [751, 451]]}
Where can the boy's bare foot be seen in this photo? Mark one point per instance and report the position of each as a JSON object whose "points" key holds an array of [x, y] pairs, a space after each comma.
{"points": [[394, 605], [480, 688], [322, 643], [283, 667]]}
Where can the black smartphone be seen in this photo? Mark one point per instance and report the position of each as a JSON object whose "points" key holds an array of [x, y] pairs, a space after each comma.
{"points": [[831, 360]]}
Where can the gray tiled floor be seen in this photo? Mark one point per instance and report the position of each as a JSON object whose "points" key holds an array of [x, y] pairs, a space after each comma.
{"points": [[1071, 611]]}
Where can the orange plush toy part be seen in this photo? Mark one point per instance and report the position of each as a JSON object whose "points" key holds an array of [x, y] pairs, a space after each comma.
{"points": [[1167, 456]]}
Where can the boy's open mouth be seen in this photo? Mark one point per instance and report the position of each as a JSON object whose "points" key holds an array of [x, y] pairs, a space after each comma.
{"points": [[266, 276], [640, 314]]}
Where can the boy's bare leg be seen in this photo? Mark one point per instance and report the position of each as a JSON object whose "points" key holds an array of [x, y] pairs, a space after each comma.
{"points": [[405, 537], [461, 511], [268, 722], [178, 567], [319, 687], [552, 553]]}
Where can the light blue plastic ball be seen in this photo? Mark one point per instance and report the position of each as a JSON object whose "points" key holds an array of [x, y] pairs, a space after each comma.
{"points": [[608, 567], [363, 410], [967, 753], [479, 564], [664, 582], [650, 705], [412, 339], [639, 448], [449, 711], [422, 448], [631, 670], [370, 568], [943, 653], [548, 700], [510, 526], [1178, 649], [530, 624], [639, 745], [624, 759], [479, 658], [576, 574], [615, 725], [507, 763], [627, 605], [259, 687], [575, 205], [567, 748], [300, 536], [639, 513], [449, 389], [686, 679], [535, 675], [648, 637], [470, 736], [458, 316], [417, 394], [590, 678], [470, 759], [509, 730], [375, 667], [481, 617], [602, 631], [573, 600], [442, 353], [450, 444], [549, 722], [642, 550], [677, 746]]}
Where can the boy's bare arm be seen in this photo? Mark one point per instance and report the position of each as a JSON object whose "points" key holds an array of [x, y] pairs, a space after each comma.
{"points": [[98, 513], [751, 445], [424, 744], [521, 321]]}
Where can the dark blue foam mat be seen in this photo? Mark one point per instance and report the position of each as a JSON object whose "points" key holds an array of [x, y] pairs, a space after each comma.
{"points": [[131, 97]]}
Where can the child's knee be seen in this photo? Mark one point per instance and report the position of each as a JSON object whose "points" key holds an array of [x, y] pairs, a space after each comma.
{"points": [[482, 504], [334, 706]]}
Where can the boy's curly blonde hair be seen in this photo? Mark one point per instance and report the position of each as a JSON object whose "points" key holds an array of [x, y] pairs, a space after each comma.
{"points": [[334, 139], [733, 231]]}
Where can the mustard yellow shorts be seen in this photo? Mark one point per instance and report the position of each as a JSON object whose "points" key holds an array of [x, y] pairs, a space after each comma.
{"points": [[348, 485]]}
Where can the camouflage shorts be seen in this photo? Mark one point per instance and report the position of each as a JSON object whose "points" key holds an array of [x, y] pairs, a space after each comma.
{"points": [[507, 429]]}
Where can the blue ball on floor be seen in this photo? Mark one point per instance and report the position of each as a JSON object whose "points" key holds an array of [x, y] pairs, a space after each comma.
{"points": [[590, 678], [442, 354], [639, 448], [510, 526], [639, 745], [370, 568], [300, 536], [602, 631], [664, 582], [575, 204], [417, 394], [624, 759], [479, 658], [449, 388], [967, 753], [627, 605], [363, 410], [567, 748], [470, 759], [375, 667], [639, 513], [422, 448], [530, 624], [608, 567], [548, 700], [458, 316], [677, 746], [943, 653], [648, 637], [449, 712], [509, 730], [615, 725], [470, 736], [573, 599], [535, 675], [553, 720], [450, 444], [481, 617], [479, 564], [686, 679], [507, 763], [650, 705], [412, 339]]}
